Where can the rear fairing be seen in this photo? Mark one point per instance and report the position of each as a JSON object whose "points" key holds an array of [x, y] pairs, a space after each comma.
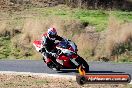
{"points": [[37, 44]]}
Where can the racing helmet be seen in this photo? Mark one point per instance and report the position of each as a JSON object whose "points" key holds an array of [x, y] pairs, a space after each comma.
{"points": [[52, 33]]}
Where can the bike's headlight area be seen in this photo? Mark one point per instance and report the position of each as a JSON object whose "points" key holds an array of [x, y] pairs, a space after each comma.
{"points": [[68, 54], [59, 51]]}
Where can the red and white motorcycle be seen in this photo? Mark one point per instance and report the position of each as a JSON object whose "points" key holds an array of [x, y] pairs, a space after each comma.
{"points": [[66, 56]]}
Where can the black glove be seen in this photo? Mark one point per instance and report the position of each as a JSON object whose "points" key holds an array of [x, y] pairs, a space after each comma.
{"points": [[42, 50]]}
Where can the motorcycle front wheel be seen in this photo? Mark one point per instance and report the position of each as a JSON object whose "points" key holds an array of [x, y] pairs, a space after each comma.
{"points": [[52, 65]]}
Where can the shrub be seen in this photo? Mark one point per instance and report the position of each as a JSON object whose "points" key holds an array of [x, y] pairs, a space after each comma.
{"points": [[118, 38]]}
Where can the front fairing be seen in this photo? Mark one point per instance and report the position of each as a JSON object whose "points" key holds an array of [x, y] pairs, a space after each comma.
{"points": [[63, 44], [67, 45]]}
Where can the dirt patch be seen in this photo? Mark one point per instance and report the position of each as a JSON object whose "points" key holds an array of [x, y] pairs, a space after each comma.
{"points": [[19, 5], [20, 81]]}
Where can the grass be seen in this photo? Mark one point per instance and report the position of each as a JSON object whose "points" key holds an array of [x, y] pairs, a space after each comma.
{"points": [[66, 19], [97, 18], [5, 48]]}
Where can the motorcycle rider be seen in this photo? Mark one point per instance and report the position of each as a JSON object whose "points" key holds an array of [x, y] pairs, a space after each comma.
{"points": [[47, 47], [48, 44]]}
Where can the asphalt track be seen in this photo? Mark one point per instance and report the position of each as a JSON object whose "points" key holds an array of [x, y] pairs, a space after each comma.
{"points": [[37, 66]]}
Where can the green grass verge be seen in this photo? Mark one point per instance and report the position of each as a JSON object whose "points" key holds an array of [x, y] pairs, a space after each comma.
{"points": [[5, 47], [97, 18]]}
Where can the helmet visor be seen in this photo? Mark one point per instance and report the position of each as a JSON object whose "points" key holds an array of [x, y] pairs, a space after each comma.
{"points": [[52, 35]]}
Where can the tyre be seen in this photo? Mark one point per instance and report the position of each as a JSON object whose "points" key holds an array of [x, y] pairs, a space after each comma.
{"points": [[57, 68], [53, 66], [82, 62], [85, 65]]}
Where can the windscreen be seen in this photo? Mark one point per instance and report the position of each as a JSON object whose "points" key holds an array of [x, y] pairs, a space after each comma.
{"points": [[63, 44]]}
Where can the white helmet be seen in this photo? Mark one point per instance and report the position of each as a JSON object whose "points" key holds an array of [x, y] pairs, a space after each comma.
{"points": [[52, 33]]}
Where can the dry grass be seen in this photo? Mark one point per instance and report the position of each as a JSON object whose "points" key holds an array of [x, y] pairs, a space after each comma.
{"points": [[86, 43], [86, 38], [6, 29], [117, 34], [3, 28], [34, 28], [31, 30], [120, 33]]}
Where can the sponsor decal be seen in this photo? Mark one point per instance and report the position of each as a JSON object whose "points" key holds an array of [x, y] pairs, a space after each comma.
{"points": [[97, 78]]}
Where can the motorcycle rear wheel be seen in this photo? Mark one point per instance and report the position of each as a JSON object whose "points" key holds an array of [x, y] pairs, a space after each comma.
{"points": [[82, 62]]}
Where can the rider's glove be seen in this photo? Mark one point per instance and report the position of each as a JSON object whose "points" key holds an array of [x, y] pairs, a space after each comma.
{"points": [[42, 50], [54, 54]]}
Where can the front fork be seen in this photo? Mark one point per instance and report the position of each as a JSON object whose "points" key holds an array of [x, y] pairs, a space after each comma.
{"points": [[73, 60], [77, 61]]}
